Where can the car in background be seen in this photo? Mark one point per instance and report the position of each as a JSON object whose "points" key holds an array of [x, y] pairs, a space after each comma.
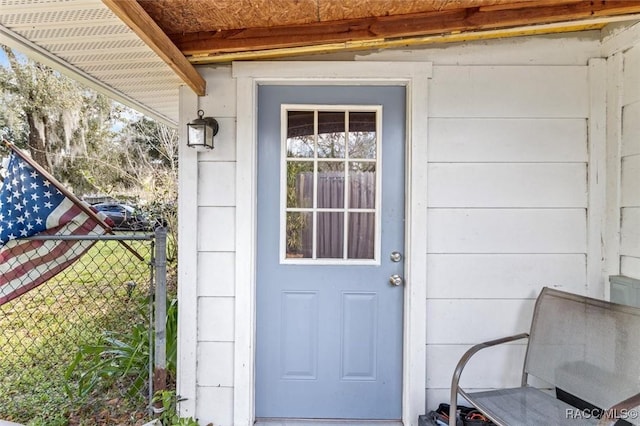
{"points": [[124, 216]]}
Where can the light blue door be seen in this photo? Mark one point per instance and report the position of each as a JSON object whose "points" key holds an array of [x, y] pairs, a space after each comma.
{"points": [[330, 252]]}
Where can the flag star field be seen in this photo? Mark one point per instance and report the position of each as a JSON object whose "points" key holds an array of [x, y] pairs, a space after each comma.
{"points": [[28, 202]]}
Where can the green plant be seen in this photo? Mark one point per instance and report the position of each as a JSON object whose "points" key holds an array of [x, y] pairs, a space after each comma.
{"points": [[172, 338], [122, 358], [297, 222], [163, 210], [116, 356], [169, 415]]}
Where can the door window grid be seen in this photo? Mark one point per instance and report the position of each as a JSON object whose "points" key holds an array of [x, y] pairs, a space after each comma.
{"points": [[357, 155]]}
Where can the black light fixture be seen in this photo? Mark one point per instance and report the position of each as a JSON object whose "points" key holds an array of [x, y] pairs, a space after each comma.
{"points": [[200, 132]]}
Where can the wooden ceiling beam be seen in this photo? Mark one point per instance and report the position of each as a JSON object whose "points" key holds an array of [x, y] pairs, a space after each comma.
{"points": [[524, 4], [398, 26], [132, 14], [403, 42]]}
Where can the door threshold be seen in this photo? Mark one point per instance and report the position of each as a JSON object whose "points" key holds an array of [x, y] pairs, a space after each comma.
{"points": [[325, 422]]}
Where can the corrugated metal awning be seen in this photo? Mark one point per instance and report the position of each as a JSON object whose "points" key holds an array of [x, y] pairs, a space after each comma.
{"points": [[87, 41]]}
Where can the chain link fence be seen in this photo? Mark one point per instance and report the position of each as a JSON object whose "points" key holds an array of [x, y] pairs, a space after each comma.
{"points": [[76, 350]]}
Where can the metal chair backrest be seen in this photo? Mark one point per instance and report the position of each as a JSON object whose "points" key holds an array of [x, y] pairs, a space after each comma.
{"points": [[587, 347]]}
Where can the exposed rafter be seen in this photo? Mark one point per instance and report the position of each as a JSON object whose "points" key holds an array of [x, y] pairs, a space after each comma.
{"points": [[132, 14], [202, 44]]}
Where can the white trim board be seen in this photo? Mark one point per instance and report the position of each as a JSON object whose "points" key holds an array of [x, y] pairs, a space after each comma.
{"points": [[613, 166], [596, 210], [414, 76], [187, 261]]}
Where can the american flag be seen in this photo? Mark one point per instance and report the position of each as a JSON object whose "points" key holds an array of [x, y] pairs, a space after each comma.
{"points": [[33, 203]]}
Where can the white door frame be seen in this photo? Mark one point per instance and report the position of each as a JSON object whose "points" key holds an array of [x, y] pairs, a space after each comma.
{"points": [[414, 76]]}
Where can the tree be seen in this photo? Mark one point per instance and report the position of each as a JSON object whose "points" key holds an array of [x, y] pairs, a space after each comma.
{"points": [[92, 144], [141, 163], [50, 114], [152, 158], [97, 164]]}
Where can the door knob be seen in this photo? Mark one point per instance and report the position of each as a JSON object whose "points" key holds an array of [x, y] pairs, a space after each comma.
{"points": [[395, 256], [396, 280]]}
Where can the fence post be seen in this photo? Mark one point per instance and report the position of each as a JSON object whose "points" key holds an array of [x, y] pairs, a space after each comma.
{"points": [[160, 349]]}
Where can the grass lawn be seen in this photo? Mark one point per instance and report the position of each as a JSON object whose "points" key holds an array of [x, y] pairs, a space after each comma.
{"points": [[41, 331]]}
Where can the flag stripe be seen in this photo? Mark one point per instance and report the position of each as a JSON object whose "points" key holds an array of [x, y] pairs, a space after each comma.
{"points": [[43, 254], [62, 214], [33, 275], [22, 247], [41, 274]]}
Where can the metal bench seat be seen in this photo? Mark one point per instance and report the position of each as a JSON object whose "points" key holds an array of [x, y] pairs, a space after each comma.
{"points": [[582, 347], [526, 406]]}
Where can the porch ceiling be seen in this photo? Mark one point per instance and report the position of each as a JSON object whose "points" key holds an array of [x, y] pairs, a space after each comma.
{"points": [[140, 52], [87, 41], [219, 30]]}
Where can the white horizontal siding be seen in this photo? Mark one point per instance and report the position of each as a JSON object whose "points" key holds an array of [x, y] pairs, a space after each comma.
{"points": [[631, 83], [221, 93], [631, 129], [216, 274], [468, 321], [508, 198], [518, 91], [216, 183], [631, 181], [224, 141], [507, 185], [507, 140], [212, 355], [507, 231], [214, 314], [630, 232], [630, 167], [509, 276], [215, 403], [216, 228], [630, 266], [496, 367]]}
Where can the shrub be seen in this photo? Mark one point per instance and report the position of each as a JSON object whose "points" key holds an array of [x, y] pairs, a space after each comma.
{"points": [[122, 359], [169, 415]]}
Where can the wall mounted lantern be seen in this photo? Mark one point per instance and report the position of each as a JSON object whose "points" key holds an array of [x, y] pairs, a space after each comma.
{"points": [[201, 131]]}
